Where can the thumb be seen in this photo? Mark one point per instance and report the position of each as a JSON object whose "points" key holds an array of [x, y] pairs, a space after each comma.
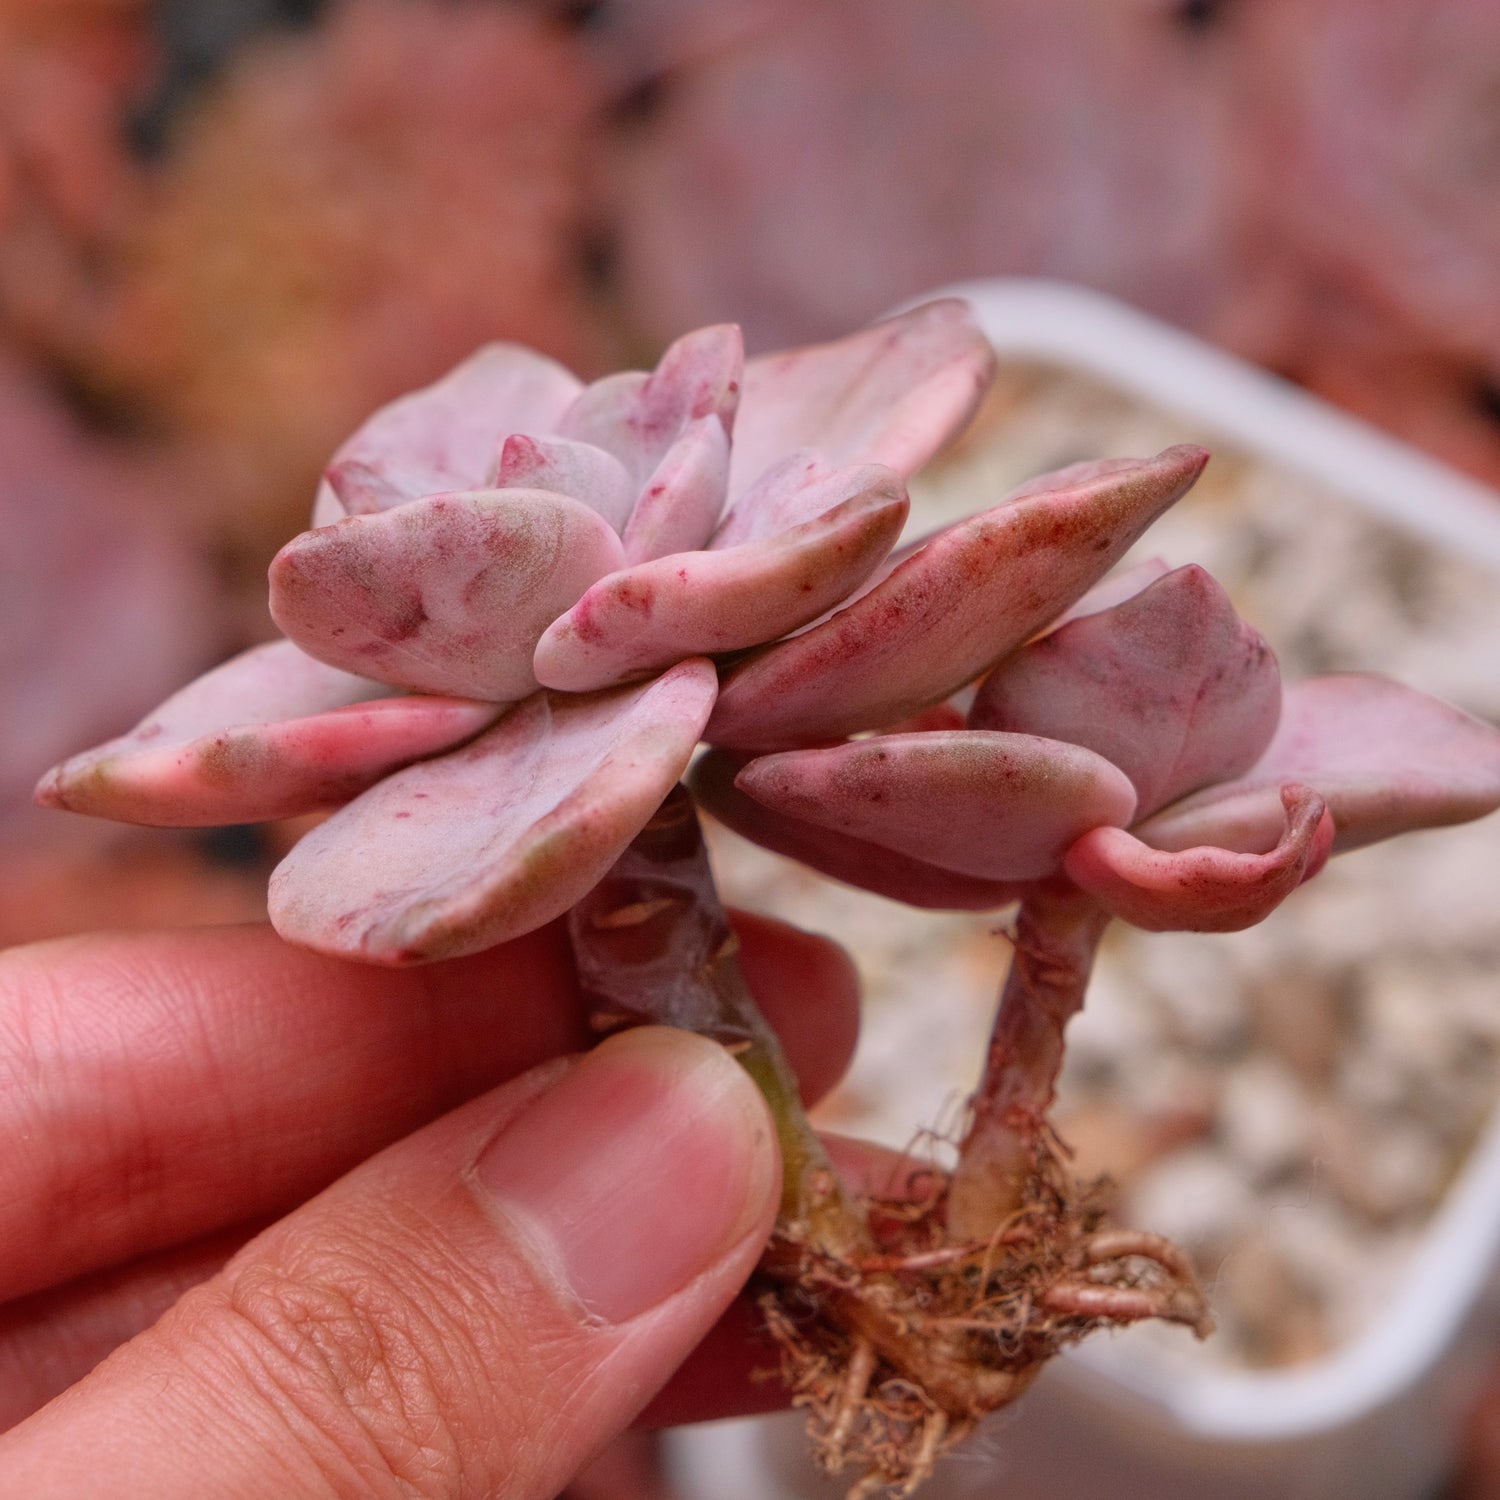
{"points": [[471, 1313]]}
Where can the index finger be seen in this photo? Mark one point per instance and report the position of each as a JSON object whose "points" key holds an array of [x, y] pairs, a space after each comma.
{"points": [[157, 1087]]}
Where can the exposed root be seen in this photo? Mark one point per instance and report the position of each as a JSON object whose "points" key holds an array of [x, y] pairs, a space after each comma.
{"points": [[895, 1356]]}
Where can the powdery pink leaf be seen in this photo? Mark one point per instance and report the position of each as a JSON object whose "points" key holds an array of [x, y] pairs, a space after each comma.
{"points": [[601, 415], [578, 470], [1387, 758], [445, 436], [893, 393], [445, 595], [358, 490], [703, 603], [950, 611], [1171, 686], [993, 806], [854, 861], [795, 489], [1116, 589], [638, 417], [680, 502], [480, 846], [270, 734], [1203, 889]]}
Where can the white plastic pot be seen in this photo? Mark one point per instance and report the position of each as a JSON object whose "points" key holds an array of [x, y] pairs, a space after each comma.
{"points": [[1379, 1418]]}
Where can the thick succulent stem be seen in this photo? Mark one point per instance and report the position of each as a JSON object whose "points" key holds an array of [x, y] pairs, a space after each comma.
{"points": [[1058, 930], [898, 1327], [652, 944]]}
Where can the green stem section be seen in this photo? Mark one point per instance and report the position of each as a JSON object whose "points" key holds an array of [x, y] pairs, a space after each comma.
{"points": [[653, 945]]}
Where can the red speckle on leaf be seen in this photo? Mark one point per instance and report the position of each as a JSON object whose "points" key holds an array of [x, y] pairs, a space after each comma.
{"points": [[409, 623]]}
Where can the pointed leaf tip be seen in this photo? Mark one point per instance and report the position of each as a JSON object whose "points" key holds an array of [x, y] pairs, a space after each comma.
{"points": [[578, 470], [445, 436], [270, 734], [949, 611], [894, 394], [730, 598], [1387, 758], [1170, 685]]}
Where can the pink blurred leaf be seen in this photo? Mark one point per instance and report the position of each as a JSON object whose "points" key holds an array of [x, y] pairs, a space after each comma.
{"points": [[459, 853], [1116, 588], [711, 602], [270, 734], [445, 595], [795, 489], [359, 490], [950, 611], [853, 861], [1171, 686], [680, 502], [993, 806], [1387, 758], [893, 394], [1203, 889], [638, 417], [578, 470], [444, 437]]}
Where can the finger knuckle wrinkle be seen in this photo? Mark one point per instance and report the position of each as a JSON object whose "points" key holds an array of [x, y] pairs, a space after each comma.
{"points": [[361, 1371]]}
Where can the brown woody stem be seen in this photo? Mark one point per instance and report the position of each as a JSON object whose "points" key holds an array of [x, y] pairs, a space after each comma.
{"points": [[653, 945], [1058, 930]]}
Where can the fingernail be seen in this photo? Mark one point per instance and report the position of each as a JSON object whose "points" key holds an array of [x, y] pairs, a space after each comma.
{"points": [[637, 1171]]}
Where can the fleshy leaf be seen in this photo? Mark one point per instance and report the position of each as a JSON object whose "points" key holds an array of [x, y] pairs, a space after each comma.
{"points": [[1115, 589], [638, 417], [950, 611], [1203, 889], [892, 394], [270, 734], [578, 470], [702, 603], [680, 502], [993, 806], [1171, 686], [1387, 758], [445, 436], [358, 490], [480, 846], [445, 595], [798, 488], [850, 860]]}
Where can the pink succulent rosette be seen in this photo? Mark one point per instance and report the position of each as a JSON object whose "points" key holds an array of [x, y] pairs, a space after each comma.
{"points": [[1145, 749], [500, 630], [525, 600]]}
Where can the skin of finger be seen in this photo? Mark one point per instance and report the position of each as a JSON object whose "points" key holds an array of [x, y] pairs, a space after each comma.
{"points": [[384, 1340], [51, 1340], [48, 1340], [157, 1088]]}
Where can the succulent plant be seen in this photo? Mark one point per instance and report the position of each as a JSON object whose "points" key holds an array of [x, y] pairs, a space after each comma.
{"points": [[525, 601]]}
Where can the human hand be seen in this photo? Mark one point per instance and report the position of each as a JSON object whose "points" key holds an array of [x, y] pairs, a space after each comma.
{"points": [[472, 1310]]}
